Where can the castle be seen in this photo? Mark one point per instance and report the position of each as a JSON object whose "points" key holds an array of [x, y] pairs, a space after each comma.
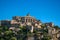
{"points": [[32, 24]]}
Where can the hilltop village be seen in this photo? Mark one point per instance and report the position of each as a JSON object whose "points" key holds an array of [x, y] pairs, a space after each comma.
{"points": [[28, 28]]}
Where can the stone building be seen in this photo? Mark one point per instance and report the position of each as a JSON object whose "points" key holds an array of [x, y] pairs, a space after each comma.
{"points": [[49, 24], [29, 21], [5, 23], [24, 19]]}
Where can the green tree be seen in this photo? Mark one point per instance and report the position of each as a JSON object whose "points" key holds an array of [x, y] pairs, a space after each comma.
{"points": [[45, 35], [56, 27], [13, 38], [8, 34]]}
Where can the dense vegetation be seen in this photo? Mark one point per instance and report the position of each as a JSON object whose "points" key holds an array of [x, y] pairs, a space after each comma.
{"points": [[22, 34]]}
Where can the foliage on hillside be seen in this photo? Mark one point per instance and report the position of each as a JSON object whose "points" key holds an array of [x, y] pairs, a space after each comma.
{"points": [[22, 34]]}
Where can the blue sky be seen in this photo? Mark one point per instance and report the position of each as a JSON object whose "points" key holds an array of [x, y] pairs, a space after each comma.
{"points": [[44, 10]]}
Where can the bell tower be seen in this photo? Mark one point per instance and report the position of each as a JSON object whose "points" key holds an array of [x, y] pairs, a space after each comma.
{"points": [[28, 14]]}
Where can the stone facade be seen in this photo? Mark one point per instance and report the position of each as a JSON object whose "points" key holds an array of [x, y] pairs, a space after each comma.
{"points": [[5, 23], [24, 19]]}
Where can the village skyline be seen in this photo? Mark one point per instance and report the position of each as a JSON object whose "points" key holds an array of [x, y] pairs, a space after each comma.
{"points": [[44, 10]]}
